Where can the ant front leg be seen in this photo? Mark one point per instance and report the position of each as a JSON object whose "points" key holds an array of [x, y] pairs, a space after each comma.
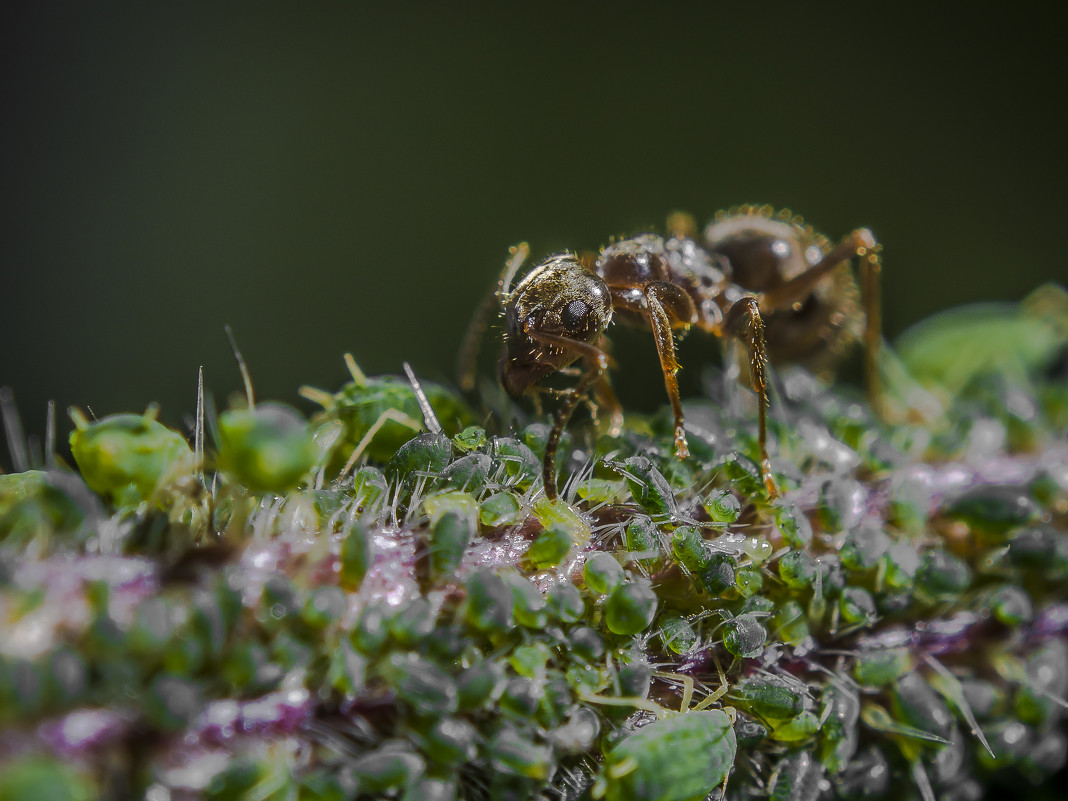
{"points": [[757, 350], [597, 364], [659, 295]]}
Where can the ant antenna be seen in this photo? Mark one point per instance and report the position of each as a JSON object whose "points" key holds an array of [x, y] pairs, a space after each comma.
{"points": [[519, 253]]}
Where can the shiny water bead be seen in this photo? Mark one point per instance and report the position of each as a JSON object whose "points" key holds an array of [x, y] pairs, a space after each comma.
{"points": [[549, 548], [993, 511], [392, 766], [1010, 740], [899, 566], [769, 696], [421, 684], [856, 605], [758, 550], [488, 607], [565, 601], [578, 733], [677, 634], [793, 526], [744, 636], [863, 547], [642, 539], [796, 777], [942, 577], [648, 487], [125, 457], [882, 666], [630, 608], [722, 506], [841, 504], [468, 473], [357, 556], [268, 448], [839, 736], [426, 455], [790, 623], [797, 569], [470, 439], [602, 573], [500, 509], [916, 704], [677, 759], [1011, 605], [514, 464]]}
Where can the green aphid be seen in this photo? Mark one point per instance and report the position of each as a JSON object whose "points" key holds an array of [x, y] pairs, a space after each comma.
{"points": [[648, 487], [565, 601], [468, 473], [411, 622], [520, 698], [489, 603], [34, 776], [36, 506], [796, 777], [880, 667], [449, 742], [357, 556], [899, 565], [470, 439], [449, 538], [515, 752], [677, 634], [797, 729], [763, 606], [749, 581], [797, 569], [323, 606], [371, 631], [599, 490], [500, 509], [744, 636], [425, 456], [743, 473], [244, 777], [1011, 605], [514, 464], [391, 766], [479, 684], [1044, 684], [769, 696], [749, 731], [634, 674], [536, 436], [268, 448], [993, 511], [790, 623], [1040, 548], [642, 540], [678, 759], [602, 573], [389, 403], [722, 506], [529, 661], [863, 548], [421, 684], [549, 548], [841, 503], [347, 670], [128, 457], [838, 735], [630, 608], [529, 607], [856, 605], [793, 526], [712, 571], [916, 704], [942, 577], [370, 491], [949, 351]]}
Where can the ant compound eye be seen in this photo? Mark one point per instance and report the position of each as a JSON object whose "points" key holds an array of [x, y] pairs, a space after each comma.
{"points": [[574, 314]]}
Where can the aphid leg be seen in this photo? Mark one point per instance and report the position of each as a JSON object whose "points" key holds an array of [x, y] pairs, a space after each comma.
{"points": [[476, 329], [757, 350], [389, 414], [597, 363], [665, 347], [871, 265]]}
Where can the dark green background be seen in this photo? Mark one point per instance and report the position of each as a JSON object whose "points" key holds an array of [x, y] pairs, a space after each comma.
{"points": [[331, 177]]}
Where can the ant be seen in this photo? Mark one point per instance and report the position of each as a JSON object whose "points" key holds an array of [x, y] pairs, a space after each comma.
{"points": [[761, 277]]}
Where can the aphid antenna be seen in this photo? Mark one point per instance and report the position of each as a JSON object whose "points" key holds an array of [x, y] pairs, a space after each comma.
{"points": [[198, 429], [429, 417], [16, 442], [241, 366], [923, 783], [396, 416], [358, 376], [50, 435]]}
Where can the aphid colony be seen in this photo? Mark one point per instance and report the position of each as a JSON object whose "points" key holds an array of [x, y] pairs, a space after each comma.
{"points": [[341, 607]]}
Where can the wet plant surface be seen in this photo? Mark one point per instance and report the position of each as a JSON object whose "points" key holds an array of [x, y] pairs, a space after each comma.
{"points": [[381, 602]]}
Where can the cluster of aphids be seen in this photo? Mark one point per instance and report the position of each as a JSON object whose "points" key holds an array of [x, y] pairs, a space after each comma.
{"points": [[761, 278]]}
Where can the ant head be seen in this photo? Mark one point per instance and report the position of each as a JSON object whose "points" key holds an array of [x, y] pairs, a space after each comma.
{"points": [[559, 307]]}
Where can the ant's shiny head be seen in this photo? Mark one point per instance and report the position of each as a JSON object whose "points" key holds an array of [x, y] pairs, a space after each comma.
{"points": [[552, 318]]}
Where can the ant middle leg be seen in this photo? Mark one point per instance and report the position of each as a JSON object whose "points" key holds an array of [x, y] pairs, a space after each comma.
{"points": [[747, 312], [660, 297]]}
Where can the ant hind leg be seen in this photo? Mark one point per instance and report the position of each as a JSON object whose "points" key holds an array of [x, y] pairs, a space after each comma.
{"points": [[757, 349]]}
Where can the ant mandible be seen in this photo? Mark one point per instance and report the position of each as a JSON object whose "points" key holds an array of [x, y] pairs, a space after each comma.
{"points": [[762, 277]]}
